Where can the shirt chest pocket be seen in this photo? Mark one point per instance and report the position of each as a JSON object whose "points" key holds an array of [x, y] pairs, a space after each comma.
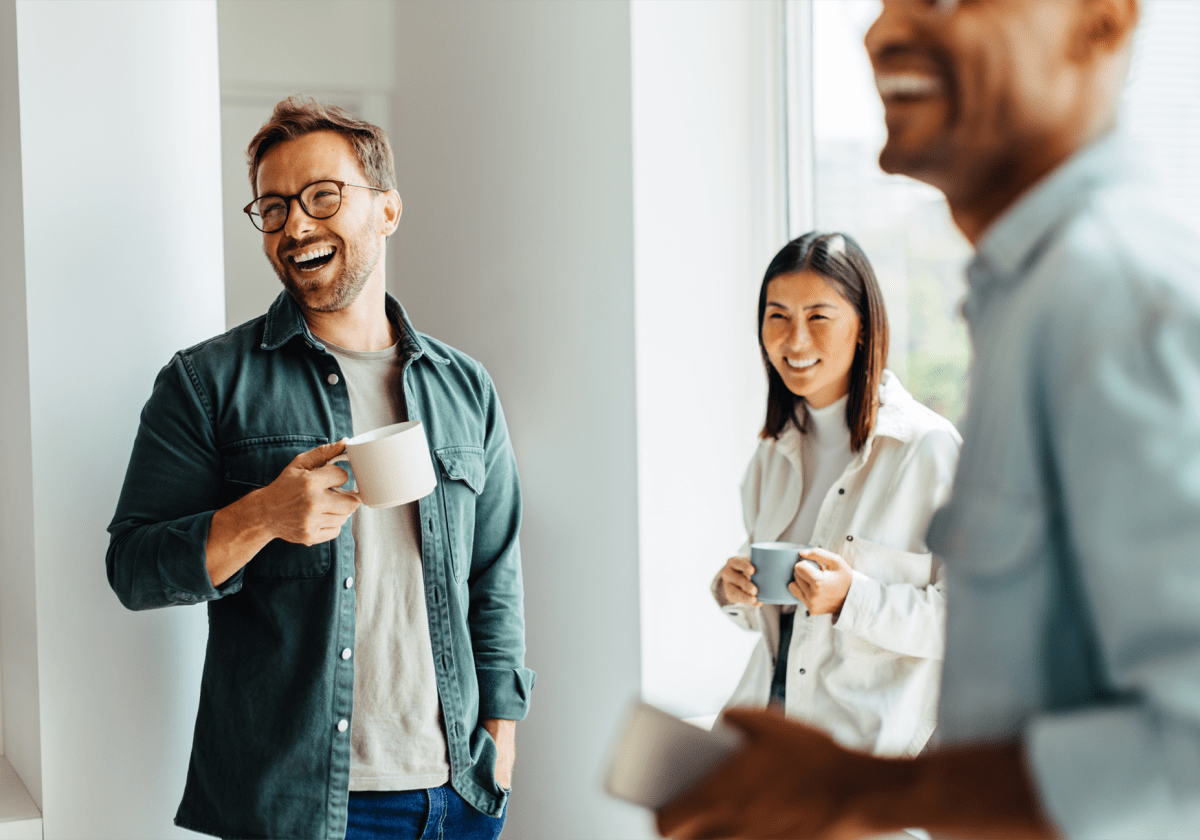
{"points": [[251, 464], [461, 481], [889, 565]]}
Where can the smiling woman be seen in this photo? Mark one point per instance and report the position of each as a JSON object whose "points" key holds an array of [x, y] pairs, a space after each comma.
{"points": [[823, 332], [810, 332], [849, 471]]}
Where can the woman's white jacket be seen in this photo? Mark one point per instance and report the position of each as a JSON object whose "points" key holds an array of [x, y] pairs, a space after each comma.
{"points": [[871, 677]]}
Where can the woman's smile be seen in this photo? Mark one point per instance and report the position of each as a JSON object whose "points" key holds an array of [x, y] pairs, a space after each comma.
{"points": [[810, 332], [800, 364]]}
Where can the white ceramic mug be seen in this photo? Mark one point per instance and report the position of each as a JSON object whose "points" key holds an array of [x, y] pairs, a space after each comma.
{"points": [[391, 465]]}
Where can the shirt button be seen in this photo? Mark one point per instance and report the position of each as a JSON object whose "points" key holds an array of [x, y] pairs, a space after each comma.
{"points": [[332, 379], [801, 670], [849, 538], [343, 725], [349, 583], [841, 491], [346, 653]]}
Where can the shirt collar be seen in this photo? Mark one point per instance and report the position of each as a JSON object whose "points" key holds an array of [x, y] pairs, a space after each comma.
{"points": [[891, 420], [1015, 239], [285, 321]]}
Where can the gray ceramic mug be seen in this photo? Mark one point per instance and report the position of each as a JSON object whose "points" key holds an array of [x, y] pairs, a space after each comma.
{"points": [[774, 568]]}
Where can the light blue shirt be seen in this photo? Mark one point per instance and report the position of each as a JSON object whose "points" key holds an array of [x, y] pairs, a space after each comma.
{"points": [[1072, 539]]}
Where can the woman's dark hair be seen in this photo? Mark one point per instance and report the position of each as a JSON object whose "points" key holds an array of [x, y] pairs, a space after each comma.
{"points": [[838, 259]]}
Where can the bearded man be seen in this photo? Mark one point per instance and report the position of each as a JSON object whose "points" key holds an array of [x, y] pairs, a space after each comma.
{"points": [[359, 681]]}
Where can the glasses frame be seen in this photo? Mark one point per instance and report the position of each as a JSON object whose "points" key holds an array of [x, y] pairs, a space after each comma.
{"points": [[288, 199]]}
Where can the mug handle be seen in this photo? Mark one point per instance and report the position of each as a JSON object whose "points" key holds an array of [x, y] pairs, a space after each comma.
{"points": [[354, 494]]}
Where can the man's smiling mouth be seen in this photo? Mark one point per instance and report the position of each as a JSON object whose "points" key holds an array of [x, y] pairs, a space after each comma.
{"points": [[313, 258], [906, 85]]}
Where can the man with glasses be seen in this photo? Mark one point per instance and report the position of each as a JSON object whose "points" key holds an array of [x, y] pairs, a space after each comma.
{"points": [[1072, 539], [360, 681]]}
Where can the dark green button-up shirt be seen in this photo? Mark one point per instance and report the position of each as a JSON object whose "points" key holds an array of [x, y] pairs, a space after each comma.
{"points": [[225, 417]]}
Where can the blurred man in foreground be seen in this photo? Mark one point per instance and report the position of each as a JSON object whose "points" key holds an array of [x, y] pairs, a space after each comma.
{"points": [[1069, 698]]}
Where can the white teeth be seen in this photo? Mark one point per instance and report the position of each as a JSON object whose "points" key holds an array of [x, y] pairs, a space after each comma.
{"points": [[313, 254], [802, 364], [907, 84]]}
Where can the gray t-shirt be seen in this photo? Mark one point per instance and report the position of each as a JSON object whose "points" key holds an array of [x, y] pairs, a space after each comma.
{"points": [[397, 741]]}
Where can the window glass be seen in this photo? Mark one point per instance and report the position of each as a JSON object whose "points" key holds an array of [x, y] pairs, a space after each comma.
{"points": [[1161, 107], [903, 225]]}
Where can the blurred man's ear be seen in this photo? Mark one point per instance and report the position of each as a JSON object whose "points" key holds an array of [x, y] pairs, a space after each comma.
{"points": [[1107, 26]]}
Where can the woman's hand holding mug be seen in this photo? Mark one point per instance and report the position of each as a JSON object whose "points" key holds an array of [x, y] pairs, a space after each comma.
{"points": [[735, 580], [823, 590]]}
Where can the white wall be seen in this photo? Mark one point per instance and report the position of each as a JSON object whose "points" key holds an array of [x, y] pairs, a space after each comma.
{"points": [[709, 212], [511, 126], [20, 732], [123, 262]]}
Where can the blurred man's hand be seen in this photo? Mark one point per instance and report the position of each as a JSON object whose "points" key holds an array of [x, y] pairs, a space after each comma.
{"points": [[789, 781]]}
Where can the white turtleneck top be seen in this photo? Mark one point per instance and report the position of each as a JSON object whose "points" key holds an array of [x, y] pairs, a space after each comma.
{"points": [[824, 455]]}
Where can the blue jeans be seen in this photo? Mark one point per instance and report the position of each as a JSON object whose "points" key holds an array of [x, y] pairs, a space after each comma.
{"points": [[431, 814]]}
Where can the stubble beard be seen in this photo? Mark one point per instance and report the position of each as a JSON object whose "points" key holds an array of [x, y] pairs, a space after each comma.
{"points": [[344, 289]]}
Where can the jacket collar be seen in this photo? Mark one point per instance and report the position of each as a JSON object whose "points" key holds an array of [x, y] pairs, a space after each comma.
{"points": [[284, 321], [891, 420]]}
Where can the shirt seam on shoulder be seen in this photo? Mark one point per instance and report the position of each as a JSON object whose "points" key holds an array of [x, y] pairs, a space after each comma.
{"points": [[201, 395]]}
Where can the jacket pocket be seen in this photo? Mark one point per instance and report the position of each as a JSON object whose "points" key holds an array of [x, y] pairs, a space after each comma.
{"points": [[853, 649], [462, 480], [250, 464], [889, 565], [985, 532]]}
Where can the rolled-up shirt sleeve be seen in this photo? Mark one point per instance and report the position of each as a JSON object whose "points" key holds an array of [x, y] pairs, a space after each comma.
{"points": [[1125, 414], [159, 533]]}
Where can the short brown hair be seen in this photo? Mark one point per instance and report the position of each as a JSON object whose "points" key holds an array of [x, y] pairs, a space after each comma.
{"points": [[297, 116], [839, 259]]}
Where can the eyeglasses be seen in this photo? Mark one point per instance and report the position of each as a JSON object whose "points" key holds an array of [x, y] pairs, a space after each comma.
{"points": [[320, 200]]}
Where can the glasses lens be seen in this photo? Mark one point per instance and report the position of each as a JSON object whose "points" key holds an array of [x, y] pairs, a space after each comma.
{"points": [[322, 199], [269, 213]]}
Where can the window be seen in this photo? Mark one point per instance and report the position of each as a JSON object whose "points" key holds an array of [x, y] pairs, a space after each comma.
{"points": [[1162, 97], [755, 122], [903, 225]]}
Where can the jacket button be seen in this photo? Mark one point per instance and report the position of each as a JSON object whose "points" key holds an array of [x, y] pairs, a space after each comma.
{"points": [[346, 653], [332, 379], [343, 725], [349, 583]]}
